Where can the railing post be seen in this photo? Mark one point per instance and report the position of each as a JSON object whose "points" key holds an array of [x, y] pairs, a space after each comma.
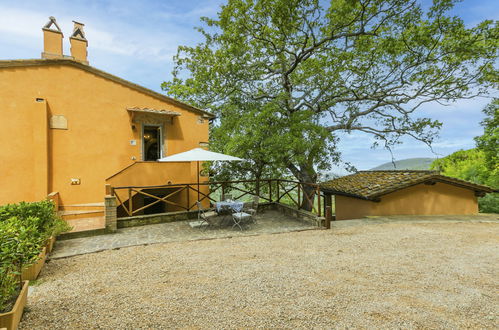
{"points": [[109, 190], [188, 199], [278, 193], [328, 217], [324, 205], [299, 199], [270, 191], [319, 200], [130, 210], [328, 201]]}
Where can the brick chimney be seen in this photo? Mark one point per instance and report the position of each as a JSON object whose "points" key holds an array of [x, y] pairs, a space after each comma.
{"points": [[52, 39], [78, 43]]}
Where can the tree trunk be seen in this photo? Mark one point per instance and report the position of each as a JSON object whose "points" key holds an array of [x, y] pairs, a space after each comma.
{"points": [[258, 178], [257, 186], [306, 174]]}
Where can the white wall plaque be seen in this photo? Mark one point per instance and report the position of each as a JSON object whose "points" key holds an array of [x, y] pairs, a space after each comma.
{"points": [[58, 122]]}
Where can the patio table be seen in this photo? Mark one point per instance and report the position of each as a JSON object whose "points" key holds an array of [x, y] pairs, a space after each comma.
{"points": [[236, 206], [232, 207]]}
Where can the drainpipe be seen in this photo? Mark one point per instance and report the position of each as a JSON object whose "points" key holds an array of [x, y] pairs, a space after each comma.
{"points": [[40, 150]]}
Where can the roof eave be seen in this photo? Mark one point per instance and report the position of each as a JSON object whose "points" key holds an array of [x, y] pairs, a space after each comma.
{"points": [[439, 178], [342, 193]]}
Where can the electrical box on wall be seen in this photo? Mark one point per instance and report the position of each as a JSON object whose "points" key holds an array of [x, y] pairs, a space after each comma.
{"points": [[133, 142], [75, 181]]}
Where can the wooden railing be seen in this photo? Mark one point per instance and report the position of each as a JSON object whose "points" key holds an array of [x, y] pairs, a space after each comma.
{"points": [[301, 195]]}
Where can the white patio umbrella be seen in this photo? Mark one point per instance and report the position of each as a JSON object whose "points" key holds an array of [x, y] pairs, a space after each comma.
{"points": [[198, 155]]}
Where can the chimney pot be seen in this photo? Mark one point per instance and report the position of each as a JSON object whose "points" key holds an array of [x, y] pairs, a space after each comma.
{"points": [[79, 43], [52, 39]]}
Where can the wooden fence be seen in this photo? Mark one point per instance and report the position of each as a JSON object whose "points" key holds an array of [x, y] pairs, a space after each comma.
{"points": [[180, 196]]}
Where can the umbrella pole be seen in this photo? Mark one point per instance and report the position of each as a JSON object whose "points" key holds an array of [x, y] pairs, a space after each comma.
{"points": [[198, 177]]}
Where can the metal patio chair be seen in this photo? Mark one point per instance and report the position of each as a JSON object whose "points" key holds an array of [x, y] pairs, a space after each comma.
{"points": [[205, 216], [253, 208], [239, 219]]}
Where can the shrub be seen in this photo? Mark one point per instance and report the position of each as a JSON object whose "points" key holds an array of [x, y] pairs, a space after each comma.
{"points": [[24, 230], [20, 248], [40, 214], [489, 203], [470, 165], [8, 289]]}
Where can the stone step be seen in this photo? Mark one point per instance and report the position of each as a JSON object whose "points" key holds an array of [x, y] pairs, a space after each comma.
{"points": [[82, 207], [81, 214], [84, 224]]}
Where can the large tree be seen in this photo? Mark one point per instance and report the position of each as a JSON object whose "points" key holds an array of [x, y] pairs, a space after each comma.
{"points": [[488, 142], [309, 72]]}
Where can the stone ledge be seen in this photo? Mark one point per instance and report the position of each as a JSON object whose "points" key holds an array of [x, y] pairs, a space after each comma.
{"points": [[85, 233], [299, 214], [149, 219]]}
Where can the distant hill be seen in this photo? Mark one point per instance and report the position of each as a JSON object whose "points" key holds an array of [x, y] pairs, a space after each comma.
{"points": [[328, 176], [406, 164]]}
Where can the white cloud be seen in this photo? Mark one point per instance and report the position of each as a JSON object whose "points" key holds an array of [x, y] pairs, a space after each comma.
{"points": [[23, 26], [21, 23], [195, 13]]}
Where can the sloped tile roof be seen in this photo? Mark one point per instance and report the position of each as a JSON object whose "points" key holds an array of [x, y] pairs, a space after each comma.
{"points": [[371, 185]]}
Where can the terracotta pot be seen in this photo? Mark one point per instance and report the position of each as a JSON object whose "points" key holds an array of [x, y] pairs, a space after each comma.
{"points": [[50, 244], [10, 320], [31, 273]]}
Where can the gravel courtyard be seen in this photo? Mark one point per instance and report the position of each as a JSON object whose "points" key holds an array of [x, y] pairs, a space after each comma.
{"points": [[383, 275]]}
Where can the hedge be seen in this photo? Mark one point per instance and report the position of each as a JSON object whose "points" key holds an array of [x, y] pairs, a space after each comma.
{"points": [[24, 231]]}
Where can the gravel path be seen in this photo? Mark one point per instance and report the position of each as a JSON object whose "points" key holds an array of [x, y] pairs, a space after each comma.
{"points": [[267, 223], [387, 275]]}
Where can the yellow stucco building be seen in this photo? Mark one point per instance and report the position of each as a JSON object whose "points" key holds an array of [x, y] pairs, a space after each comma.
{"points": [[401, 192], [70, 128]]}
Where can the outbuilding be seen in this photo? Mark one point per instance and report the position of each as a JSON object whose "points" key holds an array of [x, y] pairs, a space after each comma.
{"points": [[381, 193]]}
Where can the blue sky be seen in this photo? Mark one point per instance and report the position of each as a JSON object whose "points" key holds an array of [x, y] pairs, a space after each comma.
{"points": [[137, 40]]}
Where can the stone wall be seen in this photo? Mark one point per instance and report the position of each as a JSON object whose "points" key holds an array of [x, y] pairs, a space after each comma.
{"points": [[148, 219], [300, 214]]}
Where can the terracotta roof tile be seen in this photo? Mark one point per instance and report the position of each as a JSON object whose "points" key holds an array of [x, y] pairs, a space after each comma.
{"points": [[373, 184]]}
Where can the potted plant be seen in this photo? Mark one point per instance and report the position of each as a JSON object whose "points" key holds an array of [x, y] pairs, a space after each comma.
{"points": [[43, 215], [20, 247]]}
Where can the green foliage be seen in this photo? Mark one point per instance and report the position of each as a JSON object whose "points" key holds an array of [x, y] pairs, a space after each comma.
{"points": [[40, 214], [286, 78], [21, 245], [470, 165], [489, 203], [24, 230], [489, 141], [8, 288]]}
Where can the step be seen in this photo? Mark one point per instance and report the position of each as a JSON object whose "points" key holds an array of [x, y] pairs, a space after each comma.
{"points": [[84, 227], [85, 224], [79, 214], [81, 207]]}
